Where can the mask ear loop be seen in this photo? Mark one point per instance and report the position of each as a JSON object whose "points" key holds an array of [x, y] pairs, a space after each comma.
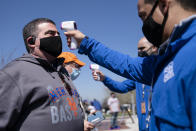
{"points": [[164, 22], [165, 19], [153, 9]]}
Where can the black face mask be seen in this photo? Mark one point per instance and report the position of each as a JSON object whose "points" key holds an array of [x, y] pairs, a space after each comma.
{"points": [[143, 54], [152, 30], [51, 45], [146, 53]]}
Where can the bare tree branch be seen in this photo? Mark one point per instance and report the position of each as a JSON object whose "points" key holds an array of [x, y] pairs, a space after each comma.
{"points": [[4, 60]]}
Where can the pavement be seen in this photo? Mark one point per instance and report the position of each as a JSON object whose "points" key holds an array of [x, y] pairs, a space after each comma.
{"points": [[125, 124]]}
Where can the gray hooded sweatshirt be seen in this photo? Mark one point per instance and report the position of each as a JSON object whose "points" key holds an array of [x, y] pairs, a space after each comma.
{"points": [[34, 98]]}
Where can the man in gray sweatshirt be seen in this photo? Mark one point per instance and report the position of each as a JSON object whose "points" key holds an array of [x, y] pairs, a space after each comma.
{"points": [[36, 92]]}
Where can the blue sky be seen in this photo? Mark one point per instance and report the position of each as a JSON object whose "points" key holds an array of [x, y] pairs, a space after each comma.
{"points": [[115, 23]]}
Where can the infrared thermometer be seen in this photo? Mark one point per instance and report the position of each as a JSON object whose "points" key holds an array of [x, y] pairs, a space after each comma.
{"points": [[95, 67], [68, 26]]}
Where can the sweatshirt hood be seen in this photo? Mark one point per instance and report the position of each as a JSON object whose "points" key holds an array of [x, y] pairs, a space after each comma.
{"points": [[54, 65]]}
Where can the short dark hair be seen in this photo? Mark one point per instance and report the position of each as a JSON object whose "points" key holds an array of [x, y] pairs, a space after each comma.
{"points": [[112, 93], [30, 29], [188, 4]]}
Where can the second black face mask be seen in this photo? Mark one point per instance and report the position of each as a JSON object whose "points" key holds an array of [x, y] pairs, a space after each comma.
{"points": [[51, 45], [143, 54]]}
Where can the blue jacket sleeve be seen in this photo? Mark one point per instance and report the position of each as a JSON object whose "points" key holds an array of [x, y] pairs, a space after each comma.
{"points": [[138, 69], [120, 87]]}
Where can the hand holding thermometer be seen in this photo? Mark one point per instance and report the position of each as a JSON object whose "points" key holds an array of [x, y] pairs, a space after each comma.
{"points": [[94, 68], [67, 26]]}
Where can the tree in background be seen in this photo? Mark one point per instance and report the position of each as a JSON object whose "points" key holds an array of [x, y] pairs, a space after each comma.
{"points": [[4, 59]]}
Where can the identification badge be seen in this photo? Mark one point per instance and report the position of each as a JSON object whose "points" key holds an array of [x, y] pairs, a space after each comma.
{"points": [[143, 107]]}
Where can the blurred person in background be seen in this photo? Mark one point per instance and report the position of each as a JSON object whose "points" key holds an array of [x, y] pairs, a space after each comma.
{"points": [[73, 66], [97, 105], [114, 106]]}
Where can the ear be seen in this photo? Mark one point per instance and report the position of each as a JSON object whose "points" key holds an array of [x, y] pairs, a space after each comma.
{"points": [[164, 6], [31, 41]]}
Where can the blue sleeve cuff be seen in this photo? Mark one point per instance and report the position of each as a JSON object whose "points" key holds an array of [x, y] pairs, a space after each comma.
{"points": [[84, 45], [106, 80]]}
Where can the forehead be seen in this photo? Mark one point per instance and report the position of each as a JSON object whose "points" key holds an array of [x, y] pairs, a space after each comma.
{"points": [[43, 27]]}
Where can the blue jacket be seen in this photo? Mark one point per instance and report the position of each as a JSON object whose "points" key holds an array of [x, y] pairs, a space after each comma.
{"points": [[173, 75], [129, 85], [97, 105]]}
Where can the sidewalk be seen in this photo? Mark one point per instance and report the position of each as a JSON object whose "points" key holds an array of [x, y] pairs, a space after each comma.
{"points": [[124, 123]]}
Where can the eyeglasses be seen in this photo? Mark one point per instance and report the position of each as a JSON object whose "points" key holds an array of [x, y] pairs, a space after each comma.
{"points": [[75, 65]]}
